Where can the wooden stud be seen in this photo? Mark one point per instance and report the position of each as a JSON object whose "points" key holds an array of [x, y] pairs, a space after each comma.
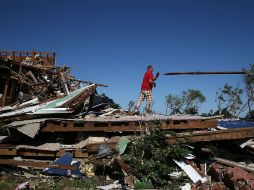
{"points": [[5, 91], [36, 164]]}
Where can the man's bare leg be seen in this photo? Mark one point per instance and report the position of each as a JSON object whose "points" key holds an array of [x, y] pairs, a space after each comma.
{"points": [[148, 107], [137, 106], [139, 102]]}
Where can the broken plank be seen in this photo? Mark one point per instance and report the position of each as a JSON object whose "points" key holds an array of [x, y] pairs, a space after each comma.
{"points": [[79, 154], [111, 143], [89, 82], [36, 164], [98, 162], [95, 147], [70, 127], [206, 73], [192, 125], [5, 91], [234, 164], [8, 152], [125, 167], [204, 136], [191, 172], [57, 154], [42, 153], [37, 153], [123, 126]]}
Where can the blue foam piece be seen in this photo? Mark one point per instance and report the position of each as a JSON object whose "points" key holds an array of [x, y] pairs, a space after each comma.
{"points": [[232, 124], [66, 160], [76, 172]]}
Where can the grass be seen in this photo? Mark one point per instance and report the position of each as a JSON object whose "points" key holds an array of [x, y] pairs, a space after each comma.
{"points": [[9, 182]]}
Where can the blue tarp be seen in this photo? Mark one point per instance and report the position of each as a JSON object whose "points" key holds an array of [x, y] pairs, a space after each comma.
{"points": [[232, 124], [66, 159]]}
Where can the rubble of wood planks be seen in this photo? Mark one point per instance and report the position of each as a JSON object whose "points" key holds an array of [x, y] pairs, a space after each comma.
{"points": [[47, 115]]}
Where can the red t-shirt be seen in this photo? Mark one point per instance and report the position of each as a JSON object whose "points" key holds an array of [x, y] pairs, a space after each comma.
{"points": [[146, 85]]}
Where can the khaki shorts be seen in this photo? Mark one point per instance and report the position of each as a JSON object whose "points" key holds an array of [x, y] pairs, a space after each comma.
{"points": [[146, 94]]}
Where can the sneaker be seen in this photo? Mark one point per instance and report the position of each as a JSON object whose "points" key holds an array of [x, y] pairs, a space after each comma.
{"points": [[135, 112], [148, 111]]}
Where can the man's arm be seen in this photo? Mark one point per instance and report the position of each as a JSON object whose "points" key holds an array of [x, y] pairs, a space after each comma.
{"points": [[151, 81], [156, 76]]}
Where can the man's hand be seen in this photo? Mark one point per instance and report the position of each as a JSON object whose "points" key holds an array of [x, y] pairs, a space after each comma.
{"points": [[154, 84], [157, 74]]}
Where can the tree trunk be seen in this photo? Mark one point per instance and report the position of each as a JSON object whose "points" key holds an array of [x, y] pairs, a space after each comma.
{"points": [[249, 106]]}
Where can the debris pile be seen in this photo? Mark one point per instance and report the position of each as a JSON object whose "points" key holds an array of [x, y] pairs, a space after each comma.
{"points": [[58, 125]]}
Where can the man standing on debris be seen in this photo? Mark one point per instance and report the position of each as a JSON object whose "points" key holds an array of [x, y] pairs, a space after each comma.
{"points": [[146, 89]]}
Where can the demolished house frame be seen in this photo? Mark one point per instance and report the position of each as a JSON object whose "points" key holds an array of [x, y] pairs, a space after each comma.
{"points": [[40, 99], [9, 80]]}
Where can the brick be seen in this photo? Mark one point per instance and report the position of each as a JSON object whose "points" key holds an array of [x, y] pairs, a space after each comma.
{"points": [[219, 186], [215, 172], [251, 184], [238, 172], [215, 186]]}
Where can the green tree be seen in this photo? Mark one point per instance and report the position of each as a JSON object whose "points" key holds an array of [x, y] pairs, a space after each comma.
{"points": [[174, 104], [188, 102], [131, 105], [248, 79], [229, 101], [193, 99], [150, 158]]}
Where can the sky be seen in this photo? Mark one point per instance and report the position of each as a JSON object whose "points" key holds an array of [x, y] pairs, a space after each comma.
{"points": [[112, 41]]}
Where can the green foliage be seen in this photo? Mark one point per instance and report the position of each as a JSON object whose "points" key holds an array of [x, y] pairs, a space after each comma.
{"points": [[151, 158], [2, 124], [229, 100], [174, 103], [90, 183], [52, 184], [248, 80], [131, 105], [224, 112], [250, 115], [113, 104], [7, 185], [116, 106], [188, 102]]}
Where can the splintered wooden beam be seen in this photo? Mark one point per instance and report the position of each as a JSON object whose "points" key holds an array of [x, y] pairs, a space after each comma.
{"points": [[79, 153], [192, 124], [207, 73], [35, 164], [72, 126], [234, 164], [204, 136], [91, 127], [123, 165], [5, 91], [89, 82], [95, 146]]}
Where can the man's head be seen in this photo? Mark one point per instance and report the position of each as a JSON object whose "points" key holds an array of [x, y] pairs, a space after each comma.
{"points": [[150, 68]]}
